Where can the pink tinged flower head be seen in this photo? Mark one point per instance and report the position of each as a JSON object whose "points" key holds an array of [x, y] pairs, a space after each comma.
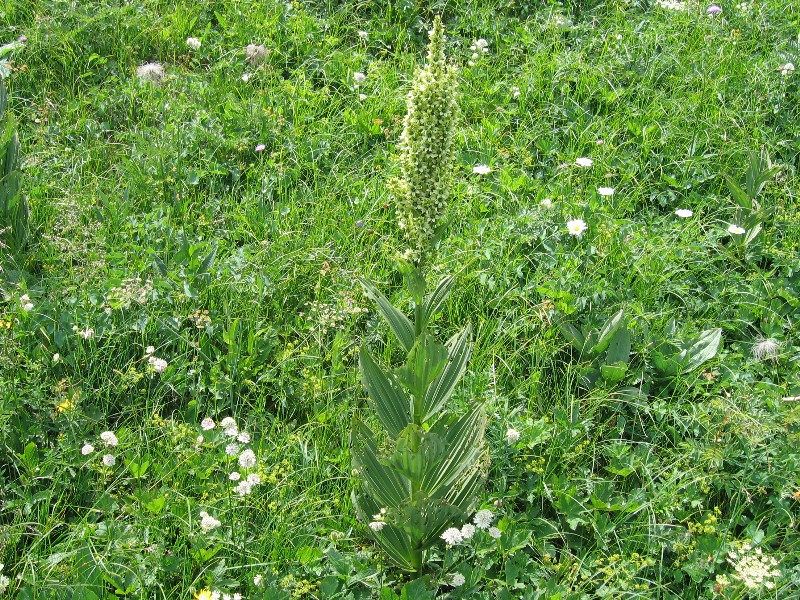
{"points": [[235, 476], [243, 488], [109, 460], [714, 9], [467, 530], [207, 424], [207, 522], [261, 147], [109, 438], [247, 459], [87, 449], [232, 449]]}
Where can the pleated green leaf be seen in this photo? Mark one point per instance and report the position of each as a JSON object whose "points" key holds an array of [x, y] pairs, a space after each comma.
{"points": [[392, 405], [398, 322], [459, 350]]}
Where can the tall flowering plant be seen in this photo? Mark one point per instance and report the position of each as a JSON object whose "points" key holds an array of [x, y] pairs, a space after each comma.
{"points": [[425, 473]]}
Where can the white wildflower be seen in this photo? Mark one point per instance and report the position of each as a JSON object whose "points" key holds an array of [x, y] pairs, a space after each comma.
{"points": [[243, 488], [246, 77], [56, 358], [452, 536], [193, 43], [584, 162], [150, 73], [207, 522], [363, 35], [149, 350], [483, 518], [458, 580], [235, 476], [576, 226], [359, 77], [87, 449], [481, 169], [258, 579], [766, 348], [109, 460], [512, 436], [254, 479], [787, 69], [109, 438], [605, 191], [546, 203], [377, 525], [247, 459], [207, 424], [232, 449], [753, 568], [87, 333], [684, 213], [255, 54], [495, 532], [736, 229], [467, 530], [159, 364], [243, 437]]}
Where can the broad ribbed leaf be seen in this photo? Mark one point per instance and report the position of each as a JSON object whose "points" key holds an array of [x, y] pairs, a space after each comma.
{"points": [[392, 405], [464, 493], [463, 440], [426, 361], [397, 544], [398, 322], [573, 335], [434, 302], [703, 348], [607, 333], [388, 488], [620, 348], [459, 349]]}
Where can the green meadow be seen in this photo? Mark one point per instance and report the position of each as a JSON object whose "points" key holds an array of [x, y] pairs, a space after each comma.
{"points": [[201, 240]]}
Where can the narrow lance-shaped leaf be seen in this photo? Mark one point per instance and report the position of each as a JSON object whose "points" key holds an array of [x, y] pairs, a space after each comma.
{"points": [[434, 302], [702, 349], [398, 322], [607, 333]]}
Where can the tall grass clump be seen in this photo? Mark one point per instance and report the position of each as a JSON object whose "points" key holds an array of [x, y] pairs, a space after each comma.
{"points": [[422, 474], [13, 206]]}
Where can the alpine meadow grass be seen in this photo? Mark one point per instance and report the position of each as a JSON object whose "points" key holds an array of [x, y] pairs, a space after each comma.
{"points": [[215, 381]]}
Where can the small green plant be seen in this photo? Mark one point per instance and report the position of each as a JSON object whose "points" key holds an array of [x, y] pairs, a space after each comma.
{"points": [[425, 475], [13, 206], [750, 214], [607, 350]]}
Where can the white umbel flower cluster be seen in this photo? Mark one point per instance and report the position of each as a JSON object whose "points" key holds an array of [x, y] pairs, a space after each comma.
{"points": [[427, 147]]}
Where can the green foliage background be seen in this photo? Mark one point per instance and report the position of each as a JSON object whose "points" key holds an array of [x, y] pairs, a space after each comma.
{"points": [[638, 488]]}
